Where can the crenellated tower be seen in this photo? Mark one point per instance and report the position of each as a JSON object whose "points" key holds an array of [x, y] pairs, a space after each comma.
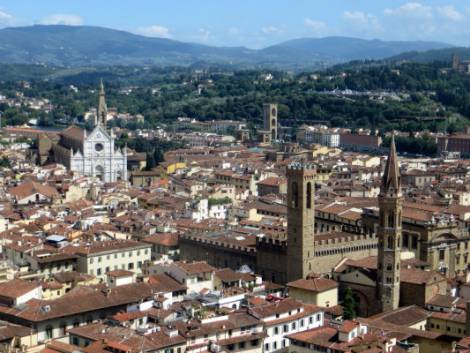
{"points": [[300, 220], [389, 233]]}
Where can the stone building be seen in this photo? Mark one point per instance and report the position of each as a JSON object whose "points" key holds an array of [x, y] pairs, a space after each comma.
{"points": [[269, 132], [270, 254], [300, 221], [91, 153], [389, 234]]}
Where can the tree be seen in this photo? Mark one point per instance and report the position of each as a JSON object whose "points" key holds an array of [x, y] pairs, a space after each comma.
{"points": [[150, 162], [349, 305]]}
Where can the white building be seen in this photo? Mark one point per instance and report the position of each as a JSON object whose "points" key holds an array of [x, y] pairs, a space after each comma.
{"points": [[92, 154]]}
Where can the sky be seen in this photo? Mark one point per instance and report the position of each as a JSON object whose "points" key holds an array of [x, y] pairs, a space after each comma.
{"points": [[254, 23]]}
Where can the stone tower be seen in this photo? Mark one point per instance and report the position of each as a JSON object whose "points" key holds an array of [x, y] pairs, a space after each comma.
{"points": [[455, 62], [389, 234], [102, 108], [270, 120], [300, 221]]}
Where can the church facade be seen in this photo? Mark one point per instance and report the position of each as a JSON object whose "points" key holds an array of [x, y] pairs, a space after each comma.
{"points": [[92, 154]]}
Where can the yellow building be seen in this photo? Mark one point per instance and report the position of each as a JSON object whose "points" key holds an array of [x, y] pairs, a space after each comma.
{"points": [[318, 291], [171, 168]]}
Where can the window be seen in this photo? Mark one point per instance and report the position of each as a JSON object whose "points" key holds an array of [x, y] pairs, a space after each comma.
{"points": [[275, 345], [99, 258], [442, 255], [115, 255], [310, 320], [294, 325], [242, 345], [254, 343], [295, 194], [276, 330], [302, 323], [130, 254], [99, 147], [414, 242], [130, 266], [309, 195], [318, 317], [98, 272], [266, 347], [286, 328]]}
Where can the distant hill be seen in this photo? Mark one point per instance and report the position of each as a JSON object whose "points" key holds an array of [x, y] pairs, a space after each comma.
{"points": [[443, 55], [94, 46], [346, 49]]}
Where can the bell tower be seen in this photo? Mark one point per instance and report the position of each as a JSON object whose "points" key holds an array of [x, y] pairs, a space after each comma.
{"points": [[270, 120], [102, 113], [300, 220], [389, 234]]}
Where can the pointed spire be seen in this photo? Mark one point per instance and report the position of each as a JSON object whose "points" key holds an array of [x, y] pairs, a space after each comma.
{"points": [[391, 178], [102, 108]]}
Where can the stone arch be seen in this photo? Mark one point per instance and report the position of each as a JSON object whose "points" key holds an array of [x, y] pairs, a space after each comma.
{"points": [[363, 304], [99, 172]]}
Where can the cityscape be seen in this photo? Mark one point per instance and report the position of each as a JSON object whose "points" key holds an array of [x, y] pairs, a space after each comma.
{"points": [[175, 184]]}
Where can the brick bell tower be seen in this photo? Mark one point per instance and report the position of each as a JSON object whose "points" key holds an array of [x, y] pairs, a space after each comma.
{"points": [[300, 220], [389, 234]]}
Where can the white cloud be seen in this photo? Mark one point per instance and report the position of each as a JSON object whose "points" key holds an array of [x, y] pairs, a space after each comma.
{"points": [[5, 18], [272, 30], [411, 9], [155, 31], [204, 35], [317, 26], [359, 17], [362, 23], [62, 19], [450, 13]]}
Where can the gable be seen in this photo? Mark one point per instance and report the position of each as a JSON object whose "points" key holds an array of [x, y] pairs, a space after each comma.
{"points": [[357, 277], [99, 133]]}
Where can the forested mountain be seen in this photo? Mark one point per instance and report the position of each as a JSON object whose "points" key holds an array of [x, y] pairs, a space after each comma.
{"points": [[96, 46]]}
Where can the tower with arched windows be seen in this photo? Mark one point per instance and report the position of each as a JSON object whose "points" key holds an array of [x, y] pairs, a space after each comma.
{"points": [[270, 120], [389, 234], [300, 221]]}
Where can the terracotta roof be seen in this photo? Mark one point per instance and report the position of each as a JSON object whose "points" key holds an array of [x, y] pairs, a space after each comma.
{"points": [[16, 288], [119, 273], [192, 268], [165, 239], [164, 283], [405, 316], [80, 299], [29, 188], [314, 284]]}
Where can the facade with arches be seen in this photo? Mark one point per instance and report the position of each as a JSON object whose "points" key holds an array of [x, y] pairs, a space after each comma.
{"points": [[92, 154]]}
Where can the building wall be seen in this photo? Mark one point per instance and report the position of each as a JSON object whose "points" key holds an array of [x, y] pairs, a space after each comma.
{"points": [[99, 263], [327, 298]]}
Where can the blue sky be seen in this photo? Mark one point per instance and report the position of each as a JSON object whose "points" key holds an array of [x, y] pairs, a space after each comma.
{"points": [[254, 23]]}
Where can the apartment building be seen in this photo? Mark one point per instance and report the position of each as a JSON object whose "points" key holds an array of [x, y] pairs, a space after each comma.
{"points": [[98, 258]]}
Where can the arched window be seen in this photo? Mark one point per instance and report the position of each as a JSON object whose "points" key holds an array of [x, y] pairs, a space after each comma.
{"points": [[390, 242], [391, 219], [295, 194], [309, 195]]}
